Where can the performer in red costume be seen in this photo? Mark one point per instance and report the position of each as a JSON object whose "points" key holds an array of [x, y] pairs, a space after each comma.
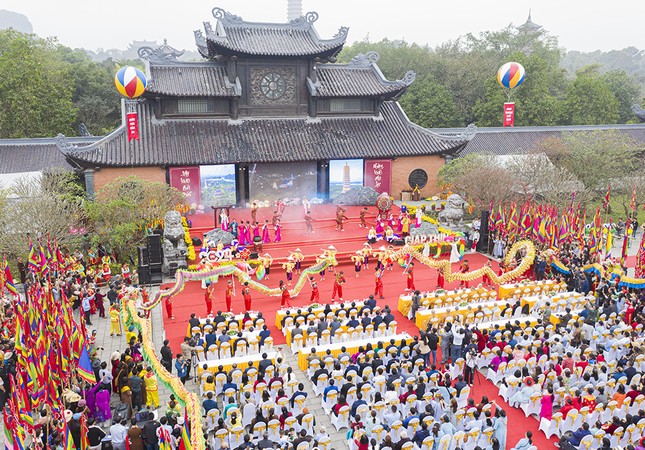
{"points": [[169, 308], [441, 281], [411, 277], [339, 280], [229, 296], [208, 298], [315, 295], [378, 288], [286, 296], [246, 294], [464, 269]]}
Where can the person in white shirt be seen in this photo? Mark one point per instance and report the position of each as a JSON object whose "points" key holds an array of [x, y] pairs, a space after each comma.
{"points": [[119, 433]]}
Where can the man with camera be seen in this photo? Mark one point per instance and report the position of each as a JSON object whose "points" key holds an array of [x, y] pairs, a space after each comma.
{"points": [[471, 360]]}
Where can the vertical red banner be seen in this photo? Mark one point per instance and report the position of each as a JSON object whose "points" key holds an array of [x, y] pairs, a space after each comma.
{"points": [[509, 114], [132, 123], [187, 180], [378, 175]]}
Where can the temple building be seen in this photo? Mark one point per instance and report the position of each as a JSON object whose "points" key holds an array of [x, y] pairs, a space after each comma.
{"points": [[266, 94]]}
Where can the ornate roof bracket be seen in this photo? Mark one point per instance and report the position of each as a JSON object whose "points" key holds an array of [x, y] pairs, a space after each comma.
{"points": [[408, 78], [365, 59], [466, 135], [64, 145], [164, 54]]}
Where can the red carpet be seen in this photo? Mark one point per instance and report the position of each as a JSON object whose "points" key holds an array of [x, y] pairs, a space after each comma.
{"points": [[191, 300]]}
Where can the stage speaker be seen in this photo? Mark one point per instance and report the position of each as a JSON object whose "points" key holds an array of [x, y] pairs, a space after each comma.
{"points": [[156, 276], [254, 255], [484, 235], [154, 249], [144, 274], [144, 256], [399, 242]]}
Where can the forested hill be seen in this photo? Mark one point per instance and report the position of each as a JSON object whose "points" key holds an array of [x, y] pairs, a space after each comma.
{"points": [[630, 59]]}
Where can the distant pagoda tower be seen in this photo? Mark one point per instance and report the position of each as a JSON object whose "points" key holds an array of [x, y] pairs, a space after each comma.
{"points": [[346, 178], [529, 26], [294, 9]]}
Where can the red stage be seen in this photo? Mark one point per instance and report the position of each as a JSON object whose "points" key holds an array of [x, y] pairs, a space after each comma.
{"points": [[191, 300]]}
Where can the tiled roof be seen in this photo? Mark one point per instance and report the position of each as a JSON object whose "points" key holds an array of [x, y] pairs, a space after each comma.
{"points": [[190, 80], [508, 141], [34, 155], [296, 38], [219, 141], [347, 81]]}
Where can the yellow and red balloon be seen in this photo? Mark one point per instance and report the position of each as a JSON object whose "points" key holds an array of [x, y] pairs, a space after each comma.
{"points": [[511, 75], [130, 82]]}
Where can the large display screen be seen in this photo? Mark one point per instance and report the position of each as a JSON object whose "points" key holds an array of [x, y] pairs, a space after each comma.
{"points": [[218, 185], [344, 174], [273, 181]]}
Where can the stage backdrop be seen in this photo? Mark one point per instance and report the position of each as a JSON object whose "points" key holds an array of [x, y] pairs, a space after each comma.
{"points": [[218, 185], [186, 179], [378, 175], [273, 181], [344, 174]]}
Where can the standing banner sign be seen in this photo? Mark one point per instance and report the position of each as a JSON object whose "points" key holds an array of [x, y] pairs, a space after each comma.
{"points": [[133, 126], [509, 114], [187, 180], [378, 175]]}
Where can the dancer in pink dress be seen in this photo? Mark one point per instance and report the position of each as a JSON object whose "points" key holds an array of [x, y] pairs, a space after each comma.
{"points": [[249, 235], [242, 233], [265, 232], [278, 238], [256, 230]]}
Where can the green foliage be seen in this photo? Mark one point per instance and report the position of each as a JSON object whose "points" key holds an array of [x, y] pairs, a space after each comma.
{"points": [[431, 105], [590, 101], [124, 210], [43, 207], [596, 157], [626, 90], [35, 87]]}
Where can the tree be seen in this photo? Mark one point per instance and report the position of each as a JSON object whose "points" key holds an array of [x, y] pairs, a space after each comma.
{"points": [[480, 178], [626, 90], [35, 87], [431, 105], [125, 209], [594, 158], [590, 101], [41, 208]]}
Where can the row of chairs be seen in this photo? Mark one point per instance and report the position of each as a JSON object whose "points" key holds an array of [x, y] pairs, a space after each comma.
{"points": [[234, 437], [223, 350], [231, 324], [352, 334]]}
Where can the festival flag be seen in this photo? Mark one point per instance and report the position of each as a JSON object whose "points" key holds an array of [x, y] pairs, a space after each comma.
{"points": [[623, 253], [632, 204], [610, 240], [85, 366], [8, 430], [8, 279], [605, 203], [33, 261], [639, 270], [68, 443], [184, 443], [85, 439]]}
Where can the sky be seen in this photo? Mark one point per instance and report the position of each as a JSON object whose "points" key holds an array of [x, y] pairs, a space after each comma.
{"points": [[580, 25]]}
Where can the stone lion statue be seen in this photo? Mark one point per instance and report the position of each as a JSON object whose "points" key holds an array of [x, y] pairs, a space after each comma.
{"points": [[174, 246], [452, 216]]}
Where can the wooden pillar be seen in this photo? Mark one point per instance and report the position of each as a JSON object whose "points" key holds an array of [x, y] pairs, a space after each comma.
{"points": [[241, 184], [323, 179]]}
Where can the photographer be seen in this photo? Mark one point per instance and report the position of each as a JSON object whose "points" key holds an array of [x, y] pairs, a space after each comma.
{"points": [[182, 367], [187, 349], [471, 361]]}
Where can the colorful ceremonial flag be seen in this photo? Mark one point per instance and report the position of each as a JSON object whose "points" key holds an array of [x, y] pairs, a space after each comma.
{"points": [[68, 442], [632, 205], [85, 439], [33, 261], [605, 203], [85, 366], [623, 253], [610, 240], [8, 430], [184, 443], [639, 270], [8, 279]]}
